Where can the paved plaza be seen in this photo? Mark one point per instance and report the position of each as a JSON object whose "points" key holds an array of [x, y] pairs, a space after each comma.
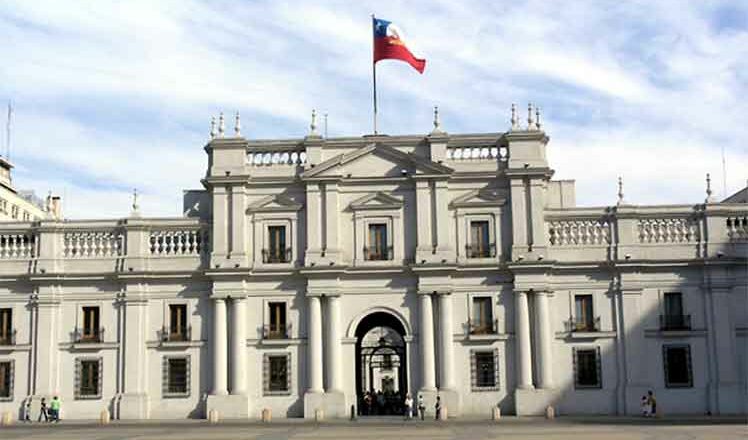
{"points": [[508, 428]]}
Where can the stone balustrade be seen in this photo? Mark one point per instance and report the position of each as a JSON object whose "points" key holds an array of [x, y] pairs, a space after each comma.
{"points": [[579, 232], [668, 230], [17, 245], [737, 228], [165, 243], [477, 153], [275, 158], [95, 244]]}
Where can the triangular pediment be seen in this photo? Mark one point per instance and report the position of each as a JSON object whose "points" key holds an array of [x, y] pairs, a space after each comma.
{"points": [[378, 200], [479, 198], [274, 203], [375, 160]]}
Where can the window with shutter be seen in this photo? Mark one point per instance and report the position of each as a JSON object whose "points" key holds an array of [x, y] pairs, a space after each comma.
{"points": [[277, 374], [6, 380], [484, 370], [176, 376], [88, 378], [587, 368]]}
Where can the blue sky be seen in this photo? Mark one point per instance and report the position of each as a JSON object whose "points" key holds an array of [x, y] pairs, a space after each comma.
{"points": [[109, 96]]}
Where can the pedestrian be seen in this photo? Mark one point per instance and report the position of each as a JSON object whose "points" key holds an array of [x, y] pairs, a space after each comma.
{"points": [[408, 407], [652, 403], [43, 411], [27, 411], [421, 406], [438, 408], [55, 407], [645, 406]]}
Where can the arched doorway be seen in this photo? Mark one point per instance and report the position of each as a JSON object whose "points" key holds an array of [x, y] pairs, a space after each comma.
{"points": [[381, 375]]}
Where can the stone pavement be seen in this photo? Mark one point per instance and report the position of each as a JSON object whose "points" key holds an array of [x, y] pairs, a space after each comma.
{"points": [[578, 428]]}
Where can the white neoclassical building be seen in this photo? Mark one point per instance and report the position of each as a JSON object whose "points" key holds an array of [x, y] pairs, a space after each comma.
{"points": [[308, 272]]}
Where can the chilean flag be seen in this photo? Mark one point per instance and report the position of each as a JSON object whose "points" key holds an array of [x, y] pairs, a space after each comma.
{"points": [[389, 44]]}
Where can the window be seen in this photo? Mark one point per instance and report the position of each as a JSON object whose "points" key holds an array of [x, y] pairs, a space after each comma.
{"points": [[6, 380], [277, 377], [377, 249], [176, 376], [14, 211], [91, 331], [277, 328], [6, 327], [583, 318], [480, 241], [484, 370], [178, 328], [88, 376], [677, 363], [674, 319], [277, 251], [482, 322], [587, 372]]}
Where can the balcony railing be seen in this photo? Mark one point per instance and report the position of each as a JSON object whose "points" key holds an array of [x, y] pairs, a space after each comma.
{"points": [[582, 325], [483, 327], [276, 255], [378, 253], [276, 331], [675, 322], [88, 336], [8, 338], [480, 250], [181, 334]]}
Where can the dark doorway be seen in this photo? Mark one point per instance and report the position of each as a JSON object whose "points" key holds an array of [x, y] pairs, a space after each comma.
{"points": [[381, 374]]}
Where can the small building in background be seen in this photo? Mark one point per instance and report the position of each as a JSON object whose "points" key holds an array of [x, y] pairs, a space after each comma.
{"points": [[24, 205]]}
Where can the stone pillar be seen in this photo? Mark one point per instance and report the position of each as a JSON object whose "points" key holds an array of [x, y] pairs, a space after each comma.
{"points": [[443, 218], [334, 370], [238, 346], [314, 349], [426, 329], [545, 335], [48, 330], [523, 347], [220, 348], [446, 376], [332, 221], [423, 212]]}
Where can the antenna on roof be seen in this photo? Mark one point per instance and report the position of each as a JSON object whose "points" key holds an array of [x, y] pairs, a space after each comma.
{"points": [[7, 131], [724, 174]]}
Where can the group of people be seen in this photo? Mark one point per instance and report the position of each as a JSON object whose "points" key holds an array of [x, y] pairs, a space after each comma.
{"points": [[391, 403], [49, 414], [649, 405]]}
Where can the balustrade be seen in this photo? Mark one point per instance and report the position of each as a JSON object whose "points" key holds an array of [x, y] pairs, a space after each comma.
{"points": [[737, 228], [579, 232], [668, 230], [20, 245], [83, 244], [177, 242], [276, 158], [478, 153]]}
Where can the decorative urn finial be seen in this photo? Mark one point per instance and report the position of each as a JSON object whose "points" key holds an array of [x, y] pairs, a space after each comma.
{"points": [[237, 125], [135, 205], [537, 118], [221, 125], [212, 127], [709, 198], [620, 191], [530, 121], [515, 121], [437, 121]]}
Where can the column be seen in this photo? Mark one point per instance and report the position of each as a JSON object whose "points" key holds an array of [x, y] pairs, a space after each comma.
{"points": [[446, 377], [238, 346], [314, 350], [426, 328], [46, 347], [332, 220], [545, 360], [522, 330], [334, 373], [442, 216], [423, 212], [238, 222], [220, 347]]}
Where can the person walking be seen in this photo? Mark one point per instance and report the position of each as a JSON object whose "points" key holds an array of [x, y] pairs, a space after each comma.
{"points": [[408, 407], [421, 406], [652, 403], [438, 408], [55, 407], [43, 411], [27, 412]]}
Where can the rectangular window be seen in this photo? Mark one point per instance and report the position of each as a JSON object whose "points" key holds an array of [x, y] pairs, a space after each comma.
{"points": [[277, 328], [480, 246], [484, 370], [482, 322], [176, 379], [6, 380], [377, 249], [178, 328], [6, 326], [587, 372], [277, 252], [277, 377], [677, 363], [583, 319], [88, 375], [674, 319], [91, 331]]}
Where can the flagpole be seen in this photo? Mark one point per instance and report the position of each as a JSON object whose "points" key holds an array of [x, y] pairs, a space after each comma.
{"points": [[374, 74]]}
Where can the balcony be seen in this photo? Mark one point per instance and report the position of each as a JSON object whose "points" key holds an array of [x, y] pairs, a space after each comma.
{"points": [[483, 327], [282, 331], [180, 334], [88, 336], [675, 322], [576, 325], [274, 256], [8, 338], [378, 253], [480, 250]]}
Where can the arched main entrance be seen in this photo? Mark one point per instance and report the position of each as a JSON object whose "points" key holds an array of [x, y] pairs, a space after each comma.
{"points": [[381, 375]]}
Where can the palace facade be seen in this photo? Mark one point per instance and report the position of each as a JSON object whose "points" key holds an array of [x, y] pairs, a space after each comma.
{"points": [[310, 271]]}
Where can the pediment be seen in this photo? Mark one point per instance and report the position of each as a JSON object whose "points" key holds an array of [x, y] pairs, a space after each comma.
{"points": [[375, 160], [378, 200], [479, 198], [274, 203]]}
